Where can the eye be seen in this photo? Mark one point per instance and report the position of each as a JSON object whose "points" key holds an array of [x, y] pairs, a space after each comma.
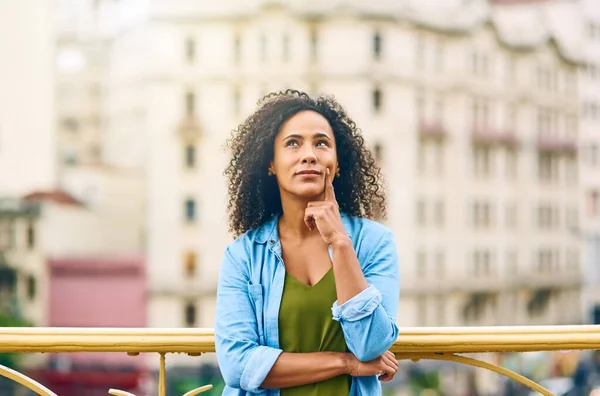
{"points": [[291, 142], [323, 142]]}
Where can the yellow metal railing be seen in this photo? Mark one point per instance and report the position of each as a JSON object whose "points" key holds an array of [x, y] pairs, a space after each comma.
{"points": [[445, 343]]}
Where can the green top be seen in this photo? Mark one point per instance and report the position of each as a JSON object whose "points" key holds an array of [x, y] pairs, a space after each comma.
{"points": [[306, 325]]}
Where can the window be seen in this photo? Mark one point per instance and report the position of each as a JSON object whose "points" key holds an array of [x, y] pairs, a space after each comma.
{"points": [[482, 161], [421, 311], [511, 164], [377, 46], [545, 261], [190, 210], [5, 237], [594, 31], [593, 203], [439, 57], [547, 217], [482, 214], [190, 50], [439, 110], [439, 213], [263, 47], [420, 54], [314, 43], [420, 105], [70, 124], [480, 64], [593, 156], [190, 156], [190, 103], [31, 287], [480, 113], [440, 263], [573, 260], [439, 157], [377, 100], [286, 48], [421, 269], [30, 236], [571, 174], [422, 157], [511, 119], [421, 213], [441, 310], [190, 264], [378, 149], [572, 217], [511, 70], [511, 216], [512, 265], [482, 263], [591, 110], [70, 158], [190, 314], [237, 49], [548, 170], [236, 101]]}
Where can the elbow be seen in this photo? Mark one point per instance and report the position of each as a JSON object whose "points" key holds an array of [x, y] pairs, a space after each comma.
{"points": [[231, 374], [232, 381], [366, 355], [376, 346]]}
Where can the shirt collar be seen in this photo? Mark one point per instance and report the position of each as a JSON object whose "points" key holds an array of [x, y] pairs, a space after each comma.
{"points": [[268, 231]]}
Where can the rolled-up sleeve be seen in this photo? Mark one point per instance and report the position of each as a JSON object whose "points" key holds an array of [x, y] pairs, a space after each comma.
{"points": [[368, 319], [243, 361]]}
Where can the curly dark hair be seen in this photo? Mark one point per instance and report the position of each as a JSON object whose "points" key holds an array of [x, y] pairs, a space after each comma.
{"points": [[254, 195]]}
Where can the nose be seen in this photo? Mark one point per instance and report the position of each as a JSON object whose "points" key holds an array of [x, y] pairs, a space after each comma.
{"points": [[308, 155]]}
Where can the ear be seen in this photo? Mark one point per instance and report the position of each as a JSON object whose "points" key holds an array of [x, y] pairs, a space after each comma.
{"points": [[270, 169]]}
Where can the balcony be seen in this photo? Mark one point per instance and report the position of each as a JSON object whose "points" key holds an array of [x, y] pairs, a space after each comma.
{"points": [[556, 145], [443, 343], [494, 137], [542, 280], [425, 285], [189, 129], [432, 130]]}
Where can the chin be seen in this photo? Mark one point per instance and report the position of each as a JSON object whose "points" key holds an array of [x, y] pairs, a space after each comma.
{"points": [[307, 193]]}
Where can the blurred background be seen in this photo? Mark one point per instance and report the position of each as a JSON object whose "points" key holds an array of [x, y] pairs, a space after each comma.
{"points": [[484, 115]]}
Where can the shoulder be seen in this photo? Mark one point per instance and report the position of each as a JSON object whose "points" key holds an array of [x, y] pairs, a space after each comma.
{"points": [[363, 229], [243, 247]]}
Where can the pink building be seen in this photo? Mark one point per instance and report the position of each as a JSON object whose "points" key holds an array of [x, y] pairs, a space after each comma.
{"points": [[95, 292]]}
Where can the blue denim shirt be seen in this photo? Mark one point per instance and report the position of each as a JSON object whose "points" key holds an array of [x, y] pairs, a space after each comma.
{"points": [[249, 295]]}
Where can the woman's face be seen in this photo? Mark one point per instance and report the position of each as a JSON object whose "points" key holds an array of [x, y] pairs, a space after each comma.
{"points": [[304, 149]]}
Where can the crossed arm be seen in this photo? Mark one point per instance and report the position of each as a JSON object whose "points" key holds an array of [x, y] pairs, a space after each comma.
{"points": [[366, 314]]}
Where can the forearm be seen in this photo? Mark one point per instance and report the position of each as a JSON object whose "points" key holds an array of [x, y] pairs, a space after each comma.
{"points": [[349, 278], [295, 369]]}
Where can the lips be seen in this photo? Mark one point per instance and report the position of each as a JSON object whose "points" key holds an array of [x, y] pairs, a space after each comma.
{"points": [[309, 172]]}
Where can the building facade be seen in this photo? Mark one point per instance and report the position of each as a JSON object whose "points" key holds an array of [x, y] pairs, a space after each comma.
{"points": [[27, 102], [474, 120], [590, 158], [79, 68]]}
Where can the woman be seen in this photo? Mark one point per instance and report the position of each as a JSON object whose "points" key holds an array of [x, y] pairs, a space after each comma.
{"points": [[308, 292]]}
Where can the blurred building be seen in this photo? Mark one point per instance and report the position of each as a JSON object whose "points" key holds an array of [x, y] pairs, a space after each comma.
{"points": [[472, 111], [100, 291], [80, 62], [589, 230], [47, 224], [27, 109]]}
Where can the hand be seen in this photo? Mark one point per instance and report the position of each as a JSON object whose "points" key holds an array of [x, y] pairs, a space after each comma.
{"points": [[385, 366], [325, 214]]}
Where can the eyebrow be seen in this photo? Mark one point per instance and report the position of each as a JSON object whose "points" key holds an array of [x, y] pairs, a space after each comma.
{"points": [[316, 135]]}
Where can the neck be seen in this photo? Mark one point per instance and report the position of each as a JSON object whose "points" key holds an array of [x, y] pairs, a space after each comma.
{"points": [[292, 220]]}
